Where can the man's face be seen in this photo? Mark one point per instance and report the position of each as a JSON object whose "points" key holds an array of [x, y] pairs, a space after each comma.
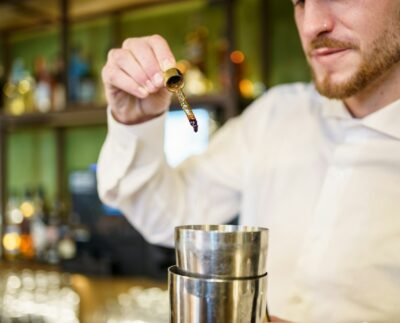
{"points": [[349, 44]]}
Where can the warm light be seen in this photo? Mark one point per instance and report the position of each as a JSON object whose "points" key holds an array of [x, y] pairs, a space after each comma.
{"points": [[16, 216], [27, 209], [259, 88], [183, 66], [81, 283], [9, 89], [11, 241], [13, 282], [26, 246], [237, 57], [17, 106], [24, 87], [246, 88]]}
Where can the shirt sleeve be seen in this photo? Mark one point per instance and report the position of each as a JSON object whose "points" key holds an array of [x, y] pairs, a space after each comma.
{"points": [[133, 176]]}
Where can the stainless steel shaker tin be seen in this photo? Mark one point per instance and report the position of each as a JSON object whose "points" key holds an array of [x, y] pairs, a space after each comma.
{"points": [[199, 300], [221, 250]]}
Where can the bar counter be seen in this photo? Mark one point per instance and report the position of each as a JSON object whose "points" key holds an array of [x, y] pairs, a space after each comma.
{"points": [[95, 293]]}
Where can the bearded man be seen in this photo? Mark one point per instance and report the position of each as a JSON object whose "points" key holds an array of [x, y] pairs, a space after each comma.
{"points": [[318, 164]]}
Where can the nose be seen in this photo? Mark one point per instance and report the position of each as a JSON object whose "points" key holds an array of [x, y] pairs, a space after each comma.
{"points": [[317, 19]]}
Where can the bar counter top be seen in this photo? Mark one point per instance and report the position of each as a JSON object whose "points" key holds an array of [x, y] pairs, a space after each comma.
{"points": [[95, 292]]}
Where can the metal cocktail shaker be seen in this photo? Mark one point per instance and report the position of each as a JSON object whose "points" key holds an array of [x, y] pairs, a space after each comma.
{"points": [[220, 275]]}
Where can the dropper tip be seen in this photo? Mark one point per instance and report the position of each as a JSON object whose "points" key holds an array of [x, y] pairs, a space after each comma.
{"points": [[194, 124]]}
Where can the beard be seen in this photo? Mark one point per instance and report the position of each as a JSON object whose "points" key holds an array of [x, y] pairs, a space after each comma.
{"points": [[379, 59]]}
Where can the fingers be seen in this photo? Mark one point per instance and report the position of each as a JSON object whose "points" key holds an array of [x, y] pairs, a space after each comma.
{"points": [[153, 54], [137, 68], [116, 77], [124, 60], [161, 51]]}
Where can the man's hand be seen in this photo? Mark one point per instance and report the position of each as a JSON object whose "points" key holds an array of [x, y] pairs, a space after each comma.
{"points": [[276, 319], [133, 79]]}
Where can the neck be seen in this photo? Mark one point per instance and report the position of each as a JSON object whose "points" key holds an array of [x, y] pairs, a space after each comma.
{"points": [[377, 95]]}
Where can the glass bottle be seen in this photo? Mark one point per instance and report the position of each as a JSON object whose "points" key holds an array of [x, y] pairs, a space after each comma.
{"points": [[38, 225], [19, 90], [28, 211], [11, 239], [42, 95]]}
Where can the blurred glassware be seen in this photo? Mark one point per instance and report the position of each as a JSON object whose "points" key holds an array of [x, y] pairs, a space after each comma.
{"points": [[27, 208], [58, 99], [19, 90], [37, 296], [137, 305], [42, 93], [12, 229]]}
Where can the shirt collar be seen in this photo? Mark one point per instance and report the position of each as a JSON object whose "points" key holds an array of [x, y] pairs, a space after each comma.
{"points": [[334, 109], [385, 120]]}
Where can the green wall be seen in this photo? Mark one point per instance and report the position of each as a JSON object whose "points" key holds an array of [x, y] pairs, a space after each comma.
{"points": [[94, 37], [288, 63], [31, 156], [38, 42], [248, 33], [82, 146], [31, 161]]}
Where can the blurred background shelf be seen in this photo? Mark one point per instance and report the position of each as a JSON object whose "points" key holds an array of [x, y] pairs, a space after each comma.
{"points": [[53, 110], [90, 114], [71, 117], [68, 32], [22, 14]]}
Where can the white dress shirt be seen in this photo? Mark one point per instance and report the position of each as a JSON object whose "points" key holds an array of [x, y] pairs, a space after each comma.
{"points": [[325, 184]]}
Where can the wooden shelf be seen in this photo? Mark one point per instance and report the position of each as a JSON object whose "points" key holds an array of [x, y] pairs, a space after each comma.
{"points": [[25, 14], [71, 117], [90, 115]]}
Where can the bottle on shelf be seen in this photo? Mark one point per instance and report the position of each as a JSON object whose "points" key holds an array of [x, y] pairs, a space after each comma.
{"points": [[87, 93], [19, 90], [58, 99], [196, 48], [78, 68], [222, 52], [11, 239], [53, 233], [38, 225], [42, 93], [67, 245], [27, 208], [195, 65]]}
